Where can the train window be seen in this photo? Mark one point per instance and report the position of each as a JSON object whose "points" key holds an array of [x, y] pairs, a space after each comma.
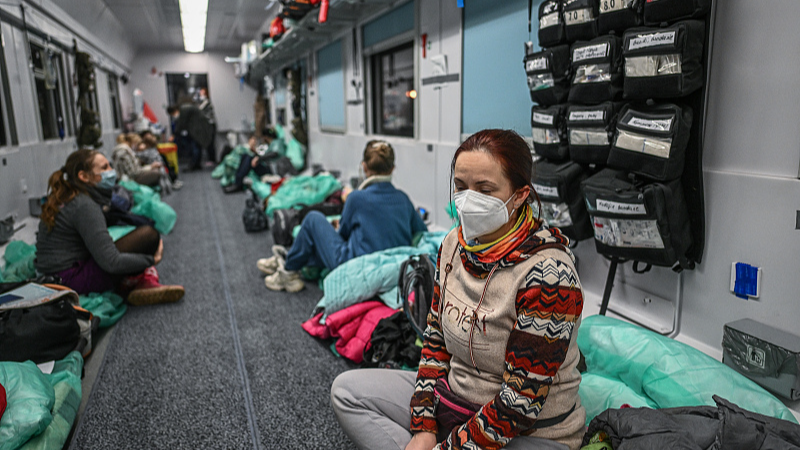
{"points": [[393, 91], [113, 90], [51, 96]]}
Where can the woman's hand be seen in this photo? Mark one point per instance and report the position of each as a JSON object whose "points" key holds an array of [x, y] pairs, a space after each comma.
{"points": [[160, 252], [424, 440], [254, 162], [335, 223]]}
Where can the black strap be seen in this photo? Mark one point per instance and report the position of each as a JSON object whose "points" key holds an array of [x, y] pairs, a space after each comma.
{"points": [[636, 269], [544, 423], [530, 14]]}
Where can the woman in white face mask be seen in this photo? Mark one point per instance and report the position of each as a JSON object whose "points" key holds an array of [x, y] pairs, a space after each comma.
{"points": [[499, 362]]}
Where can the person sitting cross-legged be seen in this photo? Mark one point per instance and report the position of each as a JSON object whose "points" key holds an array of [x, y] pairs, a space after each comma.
{"points": [[375, 217]]}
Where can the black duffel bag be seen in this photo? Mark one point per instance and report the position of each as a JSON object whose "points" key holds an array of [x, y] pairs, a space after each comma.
{"points": [[618, 15], [651, 140], [549, 131], [596, 71], [551, 23], [559, 188], [590, 130], [580, 20], [663, 62], [634, 220], [253, 216], [548, 74], [658, 11]]}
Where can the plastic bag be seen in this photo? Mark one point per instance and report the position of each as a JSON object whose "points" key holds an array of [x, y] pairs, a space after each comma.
{"points": [[148, 203], [30, 399], [599, 393], [19, 258], [108, 307]]}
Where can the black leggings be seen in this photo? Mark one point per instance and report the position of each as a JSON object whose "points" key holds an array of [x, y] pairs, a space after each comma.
{"points": [[143, 240]]}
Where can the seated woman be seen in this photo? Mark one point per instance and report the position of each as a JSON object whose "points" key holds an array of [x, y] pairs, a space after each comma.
{"points": [[258, 163], [73, 242], [375, 217], [127, 164], [502, 328]]}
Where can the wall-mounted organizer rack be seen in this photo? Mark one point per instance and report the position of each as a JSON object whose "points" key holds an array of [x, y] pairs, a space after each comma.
{"points": [[620, 93]]}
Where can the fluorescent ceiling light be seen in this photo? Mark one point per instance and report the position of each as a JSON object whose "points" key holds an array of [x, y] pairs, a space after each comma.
{"points": [[194, 15]]}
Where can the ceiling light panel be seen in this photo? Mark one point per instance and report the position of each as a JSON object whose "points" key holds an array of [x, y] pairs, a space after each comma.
{"points": [[194, 16]]}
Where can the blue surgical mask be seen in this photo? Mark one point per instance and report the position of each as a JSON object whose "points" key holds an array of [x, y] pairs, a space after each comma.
{"points": [[109, 179]]}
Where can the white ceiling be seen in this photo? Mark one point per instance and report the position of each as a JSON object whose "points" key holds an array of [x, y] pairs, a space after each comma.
{"points": [[156, 24]]}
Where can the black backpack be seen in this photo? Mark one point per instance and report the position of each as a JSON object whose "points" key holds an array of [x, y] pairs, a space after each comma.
{"points": [[590, 130], [548, 74], [619, 15], [580, 20], [253, 216], [551, 23], [663, 62], [415, 289], [559, 188], [596, 71], [549, 132], [639, 221], [651, 140], [284, 221], [658, 11]]}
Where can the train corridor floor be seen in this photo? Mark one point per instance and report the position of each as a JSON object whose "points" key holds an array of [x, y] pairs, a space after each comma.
{"points": [[227, 367]]}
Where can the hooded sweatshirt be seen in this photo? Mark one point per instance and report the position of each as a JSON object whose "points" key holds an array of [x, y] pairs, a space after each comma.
{"points": [[523, 343]]}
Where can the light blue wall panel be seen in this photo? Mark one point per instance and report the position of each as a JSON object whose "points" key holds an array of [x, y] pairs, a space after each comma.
{"points": [[389, 25], [331, 86]]}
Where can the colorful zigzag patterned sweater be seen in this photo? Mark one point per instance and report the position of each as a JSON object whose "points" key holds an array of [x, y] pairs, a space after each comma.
{"points": [[520, 358]]}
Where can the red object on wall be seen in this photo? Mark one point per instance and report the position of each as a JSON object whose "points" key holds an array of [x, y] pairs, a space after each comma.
{"points": [[323, 11], [148, 113], [424, 45]]}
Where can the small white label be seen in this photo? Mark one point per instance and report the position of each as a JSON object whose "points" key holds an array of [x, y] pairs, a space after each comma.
{"points": [[590, 52], [536, 64], [578, 16], [543, 118], [621, 208], [607, 6], [578, 116], [652, 40], [650, 124], [549, 20], [756, 356], [549, 191]]}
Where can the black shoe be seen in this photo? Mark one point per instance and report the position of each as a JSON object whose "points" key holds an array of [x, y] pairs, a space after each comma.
{"points": [[233, 188]]}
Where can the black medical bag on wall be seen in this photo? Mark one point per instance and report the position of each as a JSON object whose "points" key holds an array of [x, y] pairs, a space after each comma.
{"points": [[663, 62], [590, 130], [559, 189], [549, 131], [646, 222], [658, 11], [596, 71], [551, 23], [548, 74], [618, 15], [651, 140], [580, 20]]}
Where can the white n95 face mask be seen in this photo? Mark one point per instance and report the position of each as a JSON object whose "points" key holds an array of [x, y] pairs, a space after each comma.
{"points": [[480, 214]]}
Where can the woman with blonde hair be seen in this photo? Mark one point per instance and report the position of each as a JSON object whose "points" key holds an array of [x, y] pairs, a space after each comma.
{"points": [[375, 217], [127, 164], [73, 242]]}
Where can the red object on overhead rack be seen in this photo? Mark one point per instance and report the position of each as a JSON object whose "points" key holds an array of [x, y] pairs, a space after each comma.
{"points": [[276, 28], [323, 11]]}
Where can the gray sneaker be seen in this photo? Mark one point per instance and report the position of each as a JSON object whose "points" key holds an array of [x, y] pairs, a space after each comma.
{"points": [[283, 280], [270, 265]]}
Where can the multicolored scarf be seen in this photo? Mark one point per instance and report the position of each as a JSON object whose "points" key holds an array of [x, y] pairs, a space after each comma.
{"points": [[494, 251]]}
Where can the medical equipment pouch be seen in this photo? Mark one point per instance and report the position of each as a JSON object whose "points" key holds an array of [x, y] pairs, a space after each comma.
{"points": [[551, 23], [766, 355], [590, 130], [549, 131], [651, 140], [580, 20], [659, 11], [633, 220], [596, 71], [663, 62], [548, 74], [559, 188], [618, 15]]}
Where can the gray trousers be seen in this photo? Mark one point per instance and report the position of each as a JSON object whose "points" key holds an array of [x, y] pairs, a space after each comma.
{"points": [[373, 408]]}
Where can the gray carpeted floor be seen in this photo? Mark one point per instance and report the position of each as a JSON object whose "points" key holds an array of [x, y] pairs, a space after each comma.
{"points": [[228, 367]]}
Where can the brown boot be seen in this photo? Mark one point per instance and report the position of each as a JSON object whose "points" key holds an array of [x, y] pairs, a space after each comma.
{"points": [[148, 291]]}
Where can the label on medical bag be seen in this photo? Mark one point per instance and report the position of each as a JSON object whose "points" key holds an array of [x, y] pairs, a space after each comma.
{"points": [[579, 116], [652, 40], [621, 208], [590, 52], [650, 124], [547, 191], [543, 118], [536, 64]]}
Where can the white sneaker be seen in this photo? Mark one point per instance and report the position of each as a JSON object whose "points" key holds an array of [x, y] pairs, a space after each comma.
{"points": [[270, 265], [283, 280], [177, 185]]}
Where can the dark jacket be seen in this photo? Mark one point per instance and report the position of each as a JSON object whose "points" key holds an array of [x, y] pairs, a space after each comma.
{"points": [[192, 120], [724, 427]]}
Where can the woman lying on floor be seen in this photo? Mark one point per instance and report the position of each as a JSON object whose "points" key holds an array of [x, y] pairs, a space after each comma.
{"points": [[375, 217], [73, 242], [498, 366]]}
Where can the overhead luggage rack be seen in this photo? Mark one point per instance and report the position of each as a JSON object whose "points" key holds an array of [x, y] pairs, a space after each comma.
{"points": [[307, 33]]}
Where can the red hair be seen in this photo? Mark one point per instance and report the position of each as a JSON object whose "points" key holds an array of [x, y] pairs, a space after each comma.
{"points": [[510, 150]]}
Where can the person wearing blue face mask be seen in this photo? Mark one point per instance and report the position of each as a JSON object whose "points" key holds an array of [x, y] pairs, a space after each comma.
{"points": [[73, 242]]}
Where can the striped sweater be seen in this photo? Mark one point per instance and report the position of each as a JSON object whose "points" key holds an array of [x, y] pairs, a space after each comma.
{"points": [[522, 365]]}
